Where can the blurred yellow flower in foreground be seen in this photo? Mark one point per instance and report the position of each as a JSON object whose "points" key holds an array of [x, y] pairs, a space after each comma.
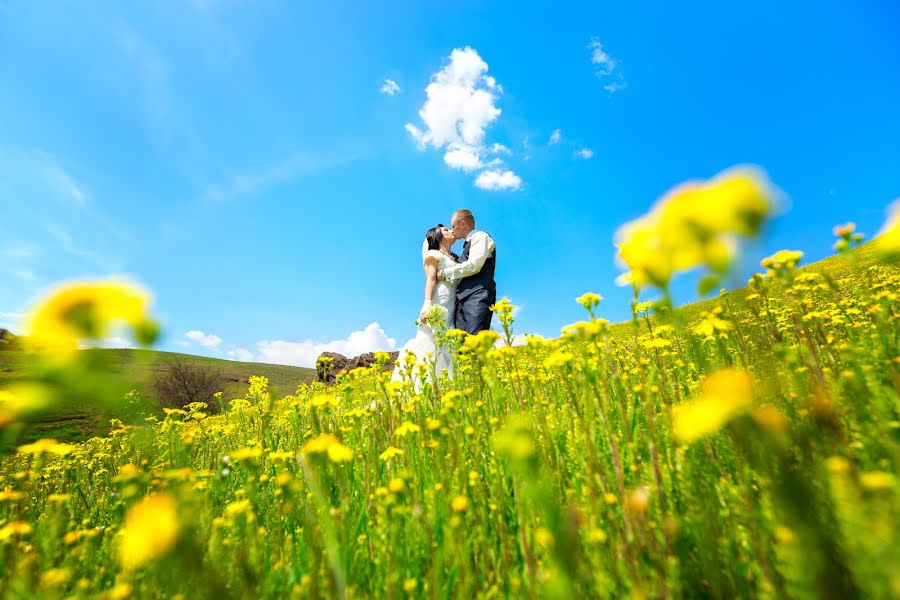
{"points": [[888, 240], [726, 394], [150, 531], [459, 504], [77, 311], [20, 400], [47, 445], [694, 224]]}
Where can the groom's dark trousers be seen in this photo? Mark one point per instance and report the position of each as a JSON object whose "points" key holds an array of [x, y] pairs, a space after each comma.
{"points": [[475, 295]]}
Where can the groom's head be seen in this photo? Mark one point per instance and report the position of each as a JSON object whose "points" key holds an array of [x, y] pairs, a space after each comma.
{"points": [[462, 222]]}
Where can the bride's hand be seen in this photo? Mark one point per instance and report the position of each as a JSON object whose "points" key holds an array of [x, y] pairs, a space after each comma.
{"points": [[422, 318]]}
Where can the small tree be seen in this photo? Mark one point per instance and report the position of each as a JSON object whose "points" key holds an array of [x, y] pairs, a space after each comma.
{"points": [[181, 382]]}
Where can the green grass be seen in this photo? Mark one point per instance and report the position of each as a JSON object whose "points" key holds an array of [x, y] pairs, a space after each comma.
{"points": [[76, 421]]}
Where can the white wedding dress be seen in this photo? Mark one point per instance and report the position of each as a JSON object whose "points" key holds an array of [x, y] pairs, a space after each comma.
{"points": [[424, 343]]}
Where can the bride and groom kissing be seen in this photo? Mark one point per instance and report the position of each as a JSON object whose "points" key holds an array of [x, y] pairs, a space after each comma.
{"points": [[461, 287]]}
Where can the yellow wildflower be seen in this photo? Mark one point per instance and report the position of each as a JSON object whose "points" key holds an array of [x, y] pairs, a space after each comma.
{"points": [[339, 453], [726, 394], [150, 531], [406, 427], [459, 504], [390, 453], [86, 310], [46, 445]]}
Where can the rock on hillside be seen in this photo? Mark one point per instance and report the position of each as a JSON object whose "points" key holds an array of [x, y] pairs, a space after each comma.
{"points": [[340, 363]]}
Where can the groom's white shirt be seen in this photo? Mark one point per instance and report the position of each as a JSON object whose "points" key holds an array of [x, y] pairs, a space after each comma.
{"points": [[480, 248]]}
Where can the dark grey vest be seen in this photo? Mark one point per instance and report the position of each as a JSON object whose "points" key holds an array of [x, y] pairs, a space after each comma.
{"points": [[483, 280]]}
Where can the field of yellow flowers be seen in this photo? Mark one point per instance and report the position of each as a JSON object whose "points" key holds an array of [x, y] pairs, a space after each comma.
{"points": [[750, 450]]}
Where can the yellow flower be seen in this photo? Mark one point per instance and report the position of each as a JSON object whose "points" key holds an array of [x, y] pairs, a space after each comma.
{"points": [[406, 427], [410, 585], [150, 531], [390, 453], [246, 453], [320, 443], [86, 310], [558, 359], [338, 453], [589, 300], [46, 445], [459, 504], [396, 485], [726, 394], [16, 528], [887, 241], [482, 341], [21, 400], [323, 400], [877, 480], [694, 224]]}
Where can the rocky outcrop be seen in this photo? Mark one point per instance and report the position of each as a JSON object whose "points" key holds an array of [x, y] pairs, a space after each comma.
{"points": [[330, 364]]}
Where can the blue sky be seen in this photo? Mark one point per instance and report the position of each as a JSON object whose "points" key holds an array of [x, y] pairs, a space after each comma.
{"points": [[242, 160]]}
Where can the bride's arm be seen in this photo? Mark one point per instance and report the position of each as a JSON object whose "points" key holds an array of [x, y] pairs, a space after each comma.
{"points": [[430, 281]]}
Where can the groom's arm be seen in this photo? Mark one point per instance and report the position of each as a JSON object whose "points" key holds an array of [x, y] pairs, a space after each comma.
{"points": [[479, 250]]}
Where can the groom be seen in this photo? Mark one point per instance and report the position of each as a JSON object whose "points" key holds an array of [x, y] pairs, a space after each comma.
{"points": [[476, 291]]}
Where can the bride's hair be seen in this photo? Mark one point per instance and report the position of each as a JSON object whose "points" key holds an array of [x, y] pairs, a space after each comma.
{"points": [[434, 237]]}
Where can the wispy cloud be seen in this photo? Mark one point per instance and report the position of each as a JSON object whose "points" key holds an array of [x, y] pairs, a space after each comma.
{"points": [[585, 153], [152, 72], [554, 137], [288, 169], [389, 87], [57, 177], [606, 67]]}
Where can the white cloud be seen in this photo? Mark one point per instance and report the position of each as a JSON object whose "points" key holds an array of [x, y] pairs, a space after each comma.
{"points": [[495, 180], [615, 86], [605, 67], [58, 178], [207, 340], [240, 354], [460, 101], [304, 354], [460, 104], [605, 63], [554, 137], [390, 87], [462, 157], [584, 153]]}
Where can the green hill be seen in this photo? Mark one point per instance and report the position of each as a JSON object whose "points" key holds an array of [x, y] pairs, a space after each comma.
{"points": [[138, 367], [840, 266]]}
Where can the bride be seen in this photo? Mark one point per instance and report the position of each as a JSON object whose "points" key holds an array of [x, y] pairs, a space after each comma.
{"points": [[440, 303]]}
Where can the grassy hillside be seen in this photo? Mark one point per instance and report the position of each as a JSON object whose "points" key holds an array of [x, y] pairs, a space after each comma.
{"points": [[837, 267], [137, 368]]}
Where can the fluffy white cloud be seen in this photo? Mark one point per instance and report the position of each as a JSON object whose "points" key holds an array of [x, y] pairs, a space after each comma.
{"points": [[584, 153], [240, 354], [304, 354], [207, 340], [554, 137], [459, 106], [495, 180], [605, 67], [390, 87], [459, 102], [462, 157]]}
